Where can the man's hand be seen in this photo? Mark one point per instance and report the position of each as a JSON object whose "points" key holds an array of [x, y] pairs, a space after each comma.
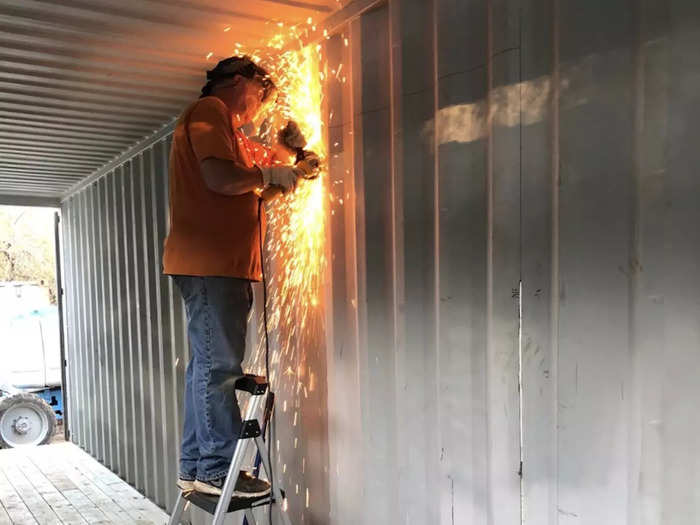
{"points": [[283, 176], [307, 168]]}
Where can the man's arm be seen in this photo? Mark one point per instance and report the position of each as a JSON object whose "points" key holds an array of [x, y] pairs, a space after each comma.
{"points": [[281, 153], [230, 178], [271, 193]]}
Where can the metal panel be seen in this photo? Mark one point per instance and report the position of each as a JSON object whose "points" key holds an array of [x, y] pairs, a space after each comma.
{"points": [[345, 429], [411, 27], [594, 245], [666, 184], [475, 146], [93, 78], [551, 119], [124, 374], [432, 334], [539, 172], [27, 200], [607, 345]]}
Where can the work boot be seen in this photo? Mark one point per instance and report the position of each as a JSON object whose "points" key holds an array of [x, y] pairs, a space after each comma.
{"points": [[185, 485], [247, 486]]}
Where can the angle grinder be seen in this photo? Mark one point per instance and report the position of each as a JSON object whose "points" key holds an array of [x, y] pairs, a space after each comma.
{"points": [[292, 137]]}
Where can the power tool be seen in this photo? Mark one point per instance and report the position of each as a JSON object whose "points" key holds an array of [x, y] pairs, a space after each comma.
{"points": [[292, 137]]}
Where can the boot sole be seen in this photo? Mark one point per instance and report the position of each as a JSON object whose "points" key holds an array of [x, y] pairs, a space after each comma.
{"points": [[251, 494], [205, 488]]}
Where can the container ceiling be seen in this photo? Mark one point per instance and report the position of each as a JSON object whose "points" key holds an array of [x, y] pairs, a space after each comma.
{"points": [[82, 81]]}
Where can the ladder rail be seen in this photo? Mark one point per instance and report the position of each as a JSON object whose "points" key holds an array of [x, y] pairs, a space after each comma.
{"points": [[267, 416], [250, 431], [178, 510], [235, 466]]}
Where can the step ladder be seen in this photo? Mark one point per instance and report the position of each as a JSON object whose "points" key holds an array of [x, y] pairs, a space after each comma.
{"points": [[220, 506]]}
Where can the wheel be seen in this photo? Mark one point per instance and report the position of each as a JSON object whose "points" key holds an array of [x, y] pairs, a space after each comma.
{"points": [[25, 420]]}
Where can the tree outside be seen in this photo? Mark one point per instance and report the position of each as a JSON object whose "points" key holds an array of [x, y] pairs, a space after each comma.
{"points": [[27, 251]]}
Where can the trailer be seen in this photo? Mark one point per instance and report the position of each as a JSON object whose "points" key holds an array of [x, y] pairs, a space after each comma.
{"points": [[31, 401]]}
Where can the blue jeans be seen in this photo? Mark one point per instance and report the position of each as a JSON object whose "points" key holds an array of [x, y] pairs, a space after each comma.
{"points": [[217, 314]]}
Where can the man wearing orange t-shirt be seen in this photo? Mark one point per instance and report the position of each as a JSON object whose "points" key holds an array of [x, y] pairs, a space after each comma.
{"points": [[213, 254]]}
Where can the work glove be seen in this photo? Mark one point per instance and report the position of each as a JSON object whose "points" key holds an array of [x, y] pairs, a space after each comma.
{"points": [[312, 159], [309, 167], [283, 176], [292, 137]]}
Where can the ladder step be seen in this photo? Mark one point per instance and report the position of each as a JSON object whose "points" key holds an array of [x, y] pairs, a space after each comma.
{"points": [[250, 429], [208, 503], [254, 385]]}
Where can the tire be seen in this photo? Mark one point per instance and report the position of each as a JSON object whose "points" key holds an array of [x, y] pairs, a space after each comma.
{"points": [[25, 420]]}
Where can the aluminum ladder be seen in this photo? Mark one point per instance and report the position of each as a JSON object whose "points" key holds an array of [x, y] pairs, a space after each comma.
{"points": [[220, 506]]}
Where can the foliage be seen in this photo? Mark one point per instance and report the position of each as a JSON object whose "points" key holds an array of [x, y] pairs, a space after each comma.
{"points": [[27, 246]]}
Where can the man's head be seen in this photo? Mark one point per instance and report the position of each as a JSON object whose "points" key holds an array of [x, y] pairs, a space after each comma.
{"points": [[244, 87]]}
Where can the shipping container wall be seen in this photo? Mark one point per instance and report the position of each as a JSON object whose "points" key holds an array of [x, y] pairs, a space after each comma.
{"points": [[425, 242], [127, 345], [125, 331], [511, 301], [514, 263], [609, 252]]}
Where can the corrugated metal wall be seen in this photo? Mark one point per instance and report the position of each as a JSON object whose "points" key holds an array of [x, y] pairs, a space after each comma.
{"points": [[494, 142], [426, 251], [82, 81], [476, 144], [125, 332], [608, 235]]}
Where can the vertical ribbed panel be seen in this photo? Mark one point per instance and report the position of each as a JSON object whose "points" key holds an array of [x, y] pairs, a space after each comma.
{"points": [[426, 269], [125, 342], [497, 142]]}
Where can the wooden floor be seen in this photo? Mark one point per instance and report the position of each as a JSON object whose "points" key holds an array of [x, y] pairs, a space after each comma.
{"points": [[61, 484]]}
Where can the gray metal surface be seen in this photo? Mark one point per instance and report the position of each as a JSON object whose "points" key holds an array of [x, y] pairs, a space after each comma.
{"points": [[476, 145], [425, 253], [125, 331], [549, 143], [81, 82], [609, 235]]}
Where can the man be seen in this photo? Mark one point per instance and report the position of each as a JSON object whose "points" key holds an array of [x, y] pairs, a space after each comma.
{"points": [[216, 178]]}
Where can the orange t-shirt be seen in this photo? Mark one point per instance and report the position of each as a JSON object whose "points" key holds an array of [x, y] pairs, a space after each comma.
{"points": [[211, 234]]}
